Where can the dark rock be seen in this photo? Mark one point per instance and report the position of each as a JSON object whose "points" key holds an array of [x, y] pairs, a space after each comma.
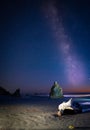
{"points": [[69, 112], [56, 91], [16, 93], [4, 92]]}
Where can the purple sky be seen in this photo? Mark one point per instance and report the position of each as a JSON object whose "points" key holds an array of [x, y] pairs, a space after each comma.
{"points": [[45, 41]]}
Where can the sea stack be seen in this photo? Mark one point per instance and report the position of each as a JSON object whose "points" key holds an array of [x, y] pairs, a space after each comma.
{"points": [[56, 91], [17, 93], [4, 92]]}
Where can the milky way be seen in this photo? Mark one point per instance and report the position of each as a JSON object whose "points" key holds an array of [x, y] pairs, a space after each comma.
{"points": [[74, 68]]}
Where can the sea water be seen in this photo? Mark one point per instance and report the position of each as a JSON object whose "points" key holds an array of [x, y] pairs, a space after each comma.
{"points": [[41, 100]]}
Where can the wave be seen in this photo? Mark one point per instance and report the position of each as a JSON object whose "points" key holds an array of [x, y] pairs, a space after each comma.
{"points": [[77, 95]]}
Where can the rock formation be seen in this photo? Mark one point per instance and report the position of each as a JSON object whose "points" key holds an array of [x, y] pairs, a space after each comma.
{"points": [[56, 91], [16, 93], [4, 92]]}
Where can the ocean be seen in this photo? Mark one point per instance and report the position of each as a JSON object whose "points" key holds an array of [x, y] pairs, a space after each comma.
{"points": [[37, 112], [41, 100]]}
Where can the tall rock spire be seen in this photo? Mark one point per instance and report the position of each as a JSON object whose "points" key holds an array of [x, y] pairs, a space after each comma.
{"points": [[56, 91]]}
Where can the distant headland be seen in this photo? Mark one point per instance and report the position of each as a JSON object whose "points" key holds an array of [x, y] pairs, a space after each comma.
{"points": [[4, 92]]}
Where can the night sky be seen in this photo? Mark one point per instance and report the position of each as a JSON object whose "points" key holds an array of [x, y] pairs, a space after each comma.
{"points": [[42, 41]]}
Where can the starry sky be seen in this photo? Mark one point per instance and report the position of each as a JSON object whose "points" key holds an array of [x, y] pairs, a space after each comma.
{"points": [[42, 41]]}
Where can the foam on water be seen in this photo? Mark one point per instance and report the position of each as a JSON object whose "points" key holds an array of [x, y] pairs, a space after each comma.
{"points": [[85, 103], [77, 95]]}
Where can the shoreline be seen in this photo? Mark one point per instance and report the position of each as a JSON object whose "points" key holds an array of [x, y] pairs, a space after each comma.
{"points": [[28, 117], [36, 112]]}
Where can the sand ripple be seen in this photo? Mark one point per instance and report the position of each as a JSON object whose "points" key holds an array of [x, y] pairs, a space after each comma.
{"points": [[32, 117]]}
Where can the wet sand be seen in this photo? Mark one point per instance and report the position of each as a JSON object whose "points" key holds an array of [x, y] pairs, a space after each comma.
{"points": [[28, 117]]}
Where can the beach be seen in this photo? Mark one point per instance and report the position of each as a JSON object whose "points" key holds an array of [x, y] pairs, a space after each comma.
{"points": [[39, 115]]}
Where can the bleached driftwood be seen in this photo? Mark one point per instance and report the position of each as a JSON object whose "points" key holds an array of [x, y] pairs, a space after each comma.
{"points": [[65, 105]]}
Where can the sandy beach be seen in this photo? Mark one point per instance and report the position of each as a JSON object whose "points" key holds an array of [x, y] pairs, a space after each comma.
{"points": [[36, 116]]}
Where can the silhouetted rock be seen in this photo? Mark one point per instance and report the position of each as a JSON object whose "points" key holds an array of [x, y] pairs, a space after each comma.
{"points": [[56, 91], [4, 92], [69, 112], [16, 93]]}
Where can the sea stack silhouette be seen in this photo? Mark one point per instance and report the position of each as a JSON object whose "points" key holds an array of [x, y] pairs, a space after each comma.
{"points": [[56, 91], [4, 92], [17, 93]]}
